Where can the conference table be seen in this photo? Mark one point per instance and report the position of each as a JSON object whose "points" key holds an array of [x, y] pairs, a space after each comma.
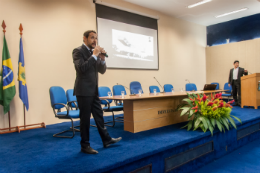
{"points": [[148, 111]]}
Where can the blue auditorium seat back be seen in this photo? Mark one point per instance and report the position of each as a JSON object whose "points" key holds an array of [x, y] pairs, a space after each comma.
{"points": [[135, 87], [57, 95], [151, 88], [229, 88], [71, 97], [103, 92], [168, 87], [117, 89], [190, 87]]}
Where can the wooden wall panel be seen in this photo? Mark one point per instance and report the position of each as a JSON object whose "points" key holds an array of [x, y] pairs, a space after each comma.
{"points": [[219, 59]]}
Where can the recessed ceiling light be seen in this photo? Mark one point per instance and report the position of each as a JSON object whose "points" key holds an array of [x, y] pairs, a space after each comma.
{"points": [[199, 3], [225, 14]]}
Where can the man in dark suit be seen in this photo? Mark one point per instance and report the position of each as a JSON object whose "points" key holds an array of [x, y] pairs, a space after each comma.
{"points": [[87, 65], [234, 79]]}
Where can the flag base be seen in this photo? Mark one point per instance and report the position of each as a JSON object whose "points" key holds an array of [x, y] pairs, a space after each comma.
{"points": [[22, 128]]}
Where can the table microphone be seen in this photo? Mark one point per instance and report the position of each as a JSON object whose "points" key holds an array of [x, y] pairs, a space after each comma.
{"points": [[160, 85], [131, 91]]}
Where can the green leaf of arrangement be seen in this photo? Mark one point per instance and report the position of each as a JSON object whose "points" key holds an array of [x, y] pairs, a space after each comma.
{"points": [[209, 123], [191, 113], [180, 106], [204, 122], [203, 128], [232, 122], [188, 101], [210, 126], [185, 110], [213, 122], [219, 125], [190, 125], [238, 119], [197, 123], [194, 95], [224, 122], [185, 126], [225, 118]]}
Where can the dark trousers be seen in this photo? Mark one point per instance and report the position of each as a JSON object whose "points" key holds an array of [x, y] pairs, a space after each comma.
{"points": [[236, 87], [88, 105]]}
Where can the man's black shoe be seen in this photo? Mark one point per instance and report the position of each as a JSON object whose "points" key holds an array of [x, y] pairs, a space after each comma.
{"points": [[88, 150], [236, 104], [112, 141]]}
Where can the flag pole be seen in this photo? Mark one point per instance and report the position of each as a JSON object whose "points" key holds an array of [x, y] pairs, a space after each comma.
{"points": [[24, 116], [9, 117], [4, 26]]}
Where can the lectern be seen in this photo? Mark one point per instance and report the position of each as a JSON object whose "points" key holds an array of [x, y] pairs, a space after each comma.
{"points": [[250, 94]]}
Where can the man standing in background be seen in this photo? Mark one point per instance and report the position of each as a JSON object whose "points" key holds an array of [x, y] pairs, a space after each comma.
{"points": [[234, 80], [88, 64]]}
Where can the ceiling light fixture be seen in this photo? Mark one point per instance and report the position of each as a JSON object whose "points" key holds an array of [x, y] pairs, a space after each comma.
{"points": [[225, 14], [199, 3]]}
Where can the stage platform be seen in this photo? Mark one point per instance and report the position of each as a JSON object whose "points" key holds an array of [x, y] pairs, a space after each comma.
{"points": [[166, 149]]}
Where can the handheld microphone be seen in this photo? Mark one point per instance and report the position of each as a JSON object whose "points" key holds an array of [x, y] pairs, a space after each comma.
{"points": [[191, 85], [105, 54], [160, 85], [131, 91]]}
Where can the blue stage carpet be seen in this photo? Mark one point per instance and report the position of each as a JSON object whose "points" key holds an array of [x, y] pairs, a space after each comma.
{"points": [[244, 160], [38, 151]]}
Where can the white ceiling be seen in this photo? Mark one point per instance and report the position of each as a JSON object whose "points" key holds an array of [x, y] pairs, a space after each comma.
{"points": [[202, 14]]}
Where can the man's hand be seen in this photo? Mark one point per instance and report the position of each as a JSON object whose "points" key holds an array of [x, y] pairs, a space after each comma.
{"points": [[229, 85], [101, 56], [97, 50], [245, 71]]}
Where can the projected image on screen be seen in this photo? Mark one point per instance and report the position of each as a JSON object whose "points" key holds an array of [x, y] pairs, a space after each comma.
{"points": [[132, 45], [128, 46]]}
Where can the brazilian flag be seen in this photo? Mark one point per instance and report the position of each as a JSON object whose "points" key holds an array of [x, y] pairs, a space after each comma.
{"points": [[7, 85]]}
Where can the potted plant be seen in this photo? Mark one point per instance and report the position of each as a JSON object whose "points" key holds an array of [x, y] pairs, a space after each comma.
{"points": [[207, 113]]}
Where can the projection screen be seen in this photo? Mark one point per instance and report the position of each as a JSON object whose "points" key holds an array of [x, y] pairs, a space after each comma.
{"points": [[128, 43]]}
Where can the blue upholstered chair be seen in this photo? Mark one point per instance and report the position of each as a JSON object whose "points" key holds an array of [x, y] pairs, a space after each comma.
{"points": [[117, 89], [103, 92], [135, 87], [217, 88], [190, 87], [59, 101], [72, 100], [228, 93], [151, 88], [168, 87]]}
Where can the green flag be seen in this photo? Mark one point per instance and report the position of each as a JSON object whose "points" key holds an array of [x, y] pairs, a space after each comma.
{"points": [[7, 85]]}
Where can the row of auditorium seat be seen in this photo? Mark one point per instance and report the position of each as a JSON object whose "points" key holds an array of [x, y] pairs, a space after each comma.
{"points": [[136, 86]]}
